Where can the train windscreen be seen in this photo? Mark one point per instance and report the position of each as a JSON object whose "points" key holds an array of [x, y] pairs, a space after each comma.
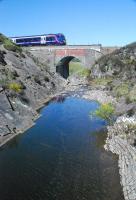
{"points": [[61, 38]]}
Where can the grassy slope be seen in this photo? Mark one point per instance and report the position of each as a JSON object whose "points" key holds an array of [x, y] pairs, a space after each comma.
{"points": [[9, 45], [79, 69]]}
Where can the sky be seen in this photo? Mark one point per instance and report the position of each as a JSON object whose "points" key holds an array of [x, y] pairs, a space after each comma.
{"points": [[108, 22]]}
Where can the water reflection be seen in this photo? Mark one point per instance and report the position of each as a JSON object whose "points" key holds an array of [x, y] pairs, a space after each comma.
{"points": [[60, 158], [100, 136]]}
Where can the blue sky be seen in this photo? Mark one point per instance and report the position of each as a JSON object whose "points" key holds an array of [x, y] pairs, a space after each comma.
{"points": [[109, 22]]}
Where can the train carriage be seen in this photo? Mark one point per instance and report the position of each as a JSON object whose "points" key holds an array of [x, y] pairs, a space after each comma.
{"points": [[47, 39]]}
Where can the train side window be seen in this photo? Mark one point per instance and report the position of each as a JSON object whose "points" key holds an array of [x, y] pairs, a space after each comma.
{"points": [[47, 39], [50, 39]]}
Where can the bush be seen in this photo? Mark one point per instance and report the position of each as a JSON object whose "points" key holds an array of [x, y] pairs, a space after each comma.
{"points": [[121, 90], [16, 87], [105, 111]]}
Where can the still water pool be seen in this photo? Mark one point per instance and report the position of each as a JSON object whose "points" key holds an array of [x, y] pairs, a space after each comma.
{"points": [[60, 158]]}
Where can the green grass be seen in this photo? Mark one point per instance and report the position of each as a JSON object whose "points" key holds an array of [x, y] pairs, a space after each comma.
{"points": [[101, 81], [79, 69], [9, 45]]}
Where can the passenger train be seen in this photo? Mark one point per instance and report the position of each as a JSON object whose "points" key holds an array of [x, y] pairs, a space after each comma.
{"points": [[47, 39]]}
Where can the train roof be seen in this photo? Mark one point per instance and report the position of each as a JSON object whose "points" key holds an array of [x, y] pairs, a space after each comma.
{"points": [[37, 35]]}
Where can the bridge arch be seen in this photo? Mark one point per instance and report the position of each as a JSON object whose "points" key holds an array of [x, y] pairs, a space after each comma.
{"points": [[54, 57], [62, 67]]}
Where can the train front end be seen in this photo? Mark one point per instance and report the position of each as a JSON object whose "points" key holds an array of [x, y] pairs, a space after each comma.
{"points": [[61, 39]]}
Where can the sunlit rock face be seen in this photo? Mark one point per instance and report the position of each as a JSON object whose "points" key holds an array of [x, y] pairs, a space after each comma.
{"points": [[18, 105]]}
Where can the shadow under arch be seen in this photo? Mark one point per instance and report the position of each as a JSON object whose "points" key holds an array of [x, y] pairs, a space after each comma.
{"points": [[63, 66]]}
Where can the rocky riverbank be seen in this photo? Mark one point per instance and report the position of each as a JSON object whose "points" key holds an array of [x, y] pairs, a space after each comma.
{"points": [[120, 137], [121, 140], [116, 75]]}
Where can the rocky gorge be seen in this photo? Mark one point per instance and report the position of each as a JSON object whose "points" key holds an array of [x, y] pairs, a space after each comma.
{"points": [[26, 84]]}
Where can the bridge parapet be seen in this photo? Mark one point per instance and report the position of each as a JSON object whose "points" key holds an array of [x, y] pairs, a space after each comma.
{"points": [[50, 56], [51, 48]]}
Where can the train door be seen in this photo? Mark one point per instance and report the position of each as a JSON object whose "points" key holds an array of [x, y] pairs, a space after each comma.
{"points": [[43, 40]]}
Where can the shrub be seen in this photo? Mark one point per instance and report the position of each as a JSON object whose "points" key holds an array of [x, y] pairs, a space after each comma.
{"points": [[105, 111], [16, 87], [121, 90]]}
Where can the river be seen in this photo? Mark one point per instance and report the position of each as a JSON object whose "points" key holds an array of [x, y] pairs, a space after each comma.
{"points": [[61, 157]]}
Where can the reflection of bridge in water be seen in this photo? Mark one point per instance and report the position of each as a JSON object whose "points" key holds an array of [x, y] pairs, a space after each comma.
{"points": [[57, 58]]}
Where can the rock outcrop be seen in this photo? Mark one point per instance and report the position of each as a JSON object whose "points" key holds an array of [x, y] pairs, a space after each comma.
{"points": [[24, 87], [120, 138], [119, 64]]}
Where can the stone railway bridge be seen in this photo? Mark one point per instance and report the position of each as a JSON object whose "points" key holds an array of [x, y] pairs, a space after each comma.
{"points": [[57, 58]]}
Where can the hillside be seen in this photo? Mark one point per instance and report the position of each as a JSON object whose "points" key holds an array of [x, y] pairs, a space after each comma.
{"points": [[120, 64], [116, 73], [25, 84]]}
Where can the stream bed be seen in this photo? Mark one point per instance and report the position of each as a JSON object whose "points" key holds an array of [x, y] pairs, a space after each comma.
{"points": [[61, 157]]}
